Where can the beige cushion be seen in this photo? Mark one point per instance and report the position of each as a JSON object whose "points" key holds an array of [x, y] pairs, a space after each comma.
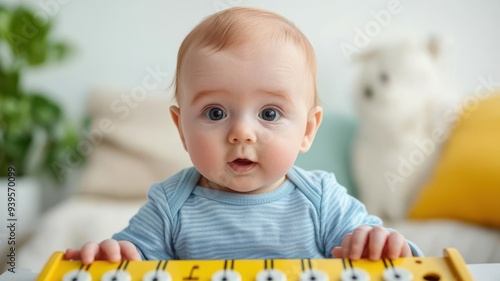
{"points": [[134, 144]]}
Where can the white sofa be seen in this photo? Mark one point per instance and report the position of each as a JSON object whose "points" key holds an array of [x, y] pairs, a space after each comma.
{"points": [[144, 147]]}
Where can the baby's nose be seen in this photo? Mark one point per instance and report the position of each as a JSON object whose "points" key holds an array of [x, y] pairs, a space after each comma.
{"points": [[242, 132]]}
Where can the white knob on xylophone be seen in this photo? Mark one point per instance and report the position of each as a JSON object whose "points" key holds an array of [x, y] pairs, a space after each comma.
{"points": [[313, 275], [226, 275], [157, 275], [354, 274], [77, 275], [271, 275], [397, 274], [116, 275]]}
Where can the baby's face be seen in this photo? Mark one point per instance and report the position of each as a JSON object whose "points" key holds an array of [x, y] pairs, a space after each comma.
{"points": [[245, 114]]}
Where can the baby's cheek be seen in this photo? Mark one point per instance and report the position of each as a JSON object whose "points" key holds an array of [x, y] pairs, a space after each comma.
{"points": [[279, 154], [203, 151]]}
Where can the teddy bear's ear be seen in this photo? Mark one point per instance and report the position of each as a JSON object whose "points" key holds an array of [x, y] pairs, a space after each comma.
{"points": [[440, 46], [442, 52], [364, 56], [435, 47]]}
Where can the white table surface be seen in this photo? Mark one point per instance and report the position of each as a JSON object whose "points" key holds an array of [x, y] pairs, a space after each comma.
{"points": [[480, 272], [485, 272]]}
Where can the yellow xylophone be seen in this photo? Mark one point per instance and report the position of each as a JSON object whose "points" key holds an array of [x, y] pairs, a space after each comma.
{"points": [[449, 267]]}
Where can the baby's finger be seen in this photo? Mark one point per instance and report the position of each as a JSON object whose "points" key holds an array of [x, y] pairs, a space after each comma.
{"points": [[378, 238], [346, 245], [406, 252], [129, 251], [88, 253], [110, 250], [72, 254], [395, 245], [358, 242], [337, 252]]}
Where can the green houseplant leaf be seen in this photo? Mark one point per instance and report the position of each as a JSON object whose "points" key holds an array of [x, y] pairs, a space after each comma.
{"points": [[26, 117]]}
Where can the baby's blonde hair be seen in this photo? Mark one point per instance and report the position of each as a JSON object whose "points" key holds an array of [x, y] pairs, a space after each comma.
{"points": [[240, 25]]}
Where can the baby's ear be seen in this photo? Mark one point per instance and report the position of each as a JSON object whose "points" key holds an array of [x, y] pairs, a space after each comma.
{"points": [[313, 121], [175, 112]]}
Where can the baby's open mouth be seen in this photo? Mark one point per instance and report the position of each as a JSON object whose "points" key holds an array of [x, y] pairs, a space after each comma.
{"points": [[241, 165]]}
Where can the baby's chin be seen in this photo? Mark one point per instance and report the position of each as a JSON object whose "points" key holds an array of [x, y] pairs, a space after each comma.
{"points": [[241, 188]]}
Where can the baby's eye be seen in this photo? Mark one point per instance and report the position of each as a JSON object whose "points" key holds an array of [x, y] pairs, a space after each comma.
{"points": [[269, 114], [215, 114]]}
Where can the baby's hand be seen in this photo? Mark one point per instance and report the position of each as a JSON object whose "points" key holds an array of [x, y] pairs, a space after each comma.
{"points": [[373, 243], [109, 250]]}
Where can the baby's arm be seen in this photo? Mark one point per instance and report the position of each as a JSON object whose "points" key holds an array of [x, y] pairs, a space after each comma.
{"points": [[374, 243], [350, 232], [109, 250]]}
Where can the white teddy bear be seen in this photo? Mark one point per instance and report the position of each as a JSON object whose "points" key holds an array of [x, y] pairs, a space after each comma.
{"points": [[401, 97]]}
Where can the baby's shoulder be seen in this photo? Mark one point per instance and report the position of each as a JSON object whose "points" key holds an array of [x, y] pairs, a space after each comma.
{"points": [[314, 178], [315, 184], [175, 187]]}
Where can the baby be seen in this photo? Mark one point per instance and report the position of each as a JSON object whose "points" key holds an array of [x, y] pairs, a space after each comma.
{"points": [[247, 106]]}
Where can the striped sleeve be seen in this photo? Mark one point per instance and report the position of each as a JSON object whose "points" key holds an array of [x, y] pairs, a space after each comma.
{"points": [[150, 229], [340, 213]]}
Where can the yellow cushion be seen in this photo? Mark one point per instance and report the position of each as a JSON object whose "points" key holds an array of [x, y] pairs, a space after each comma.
{"points": [[466, 182]]}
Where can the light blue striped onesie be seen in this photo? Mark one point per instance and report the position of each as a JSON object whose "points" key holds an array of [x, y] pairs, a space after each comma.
{"points": [[305, 217]]}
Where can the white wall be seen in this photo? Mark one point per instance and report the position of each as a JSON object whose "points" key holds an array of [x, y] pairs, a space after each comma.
{"points": [[117, 41]]}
